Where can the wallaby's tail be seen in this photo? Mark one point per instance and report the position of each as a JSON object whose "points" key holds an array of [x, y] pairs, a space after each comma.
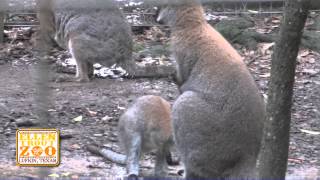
{"points": [[157, 71], [109, 154]]}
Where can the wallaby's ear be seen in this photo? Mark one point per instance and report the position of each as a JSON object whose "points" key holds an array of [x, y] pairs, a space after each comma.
{"points": [[160, 15], [166, 15]]}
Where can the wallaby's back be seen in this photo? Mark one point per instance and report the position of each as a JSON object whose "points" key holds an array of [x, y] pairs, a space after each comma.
{"points": [[95, 31], [100, 34], [150, 116], [144, 127]]}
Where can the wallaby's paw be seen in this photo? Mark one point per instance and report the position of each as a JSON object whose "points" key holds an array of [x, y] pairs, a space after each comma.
{"points": [[172, 160]]}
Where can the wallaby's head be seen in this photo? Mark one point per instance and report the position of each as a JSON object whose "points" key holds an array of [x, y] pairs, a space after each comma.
{"points": [[181, 12]]}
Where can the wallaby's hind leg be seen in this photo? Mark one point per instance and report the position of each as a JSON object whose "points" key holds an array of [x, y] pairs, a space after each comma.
{"points": [[161, 162], [77, 72], [133, 155], [82, 71], [83, 65]]}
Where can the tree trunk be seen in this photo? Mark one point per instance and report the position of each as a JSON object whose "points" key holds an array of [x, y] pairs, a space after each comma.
{"points": [[274, 152]]}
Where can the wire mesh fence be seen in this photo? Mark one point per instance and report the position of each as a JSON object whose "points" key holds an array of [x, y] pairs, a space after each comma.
{"points": [[140, 14]]}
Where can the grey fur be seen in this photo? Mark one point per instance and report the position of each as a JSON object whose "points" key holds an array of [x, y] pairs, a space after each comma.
{"points": [[218, 118], [145, 127], [96, 31]]}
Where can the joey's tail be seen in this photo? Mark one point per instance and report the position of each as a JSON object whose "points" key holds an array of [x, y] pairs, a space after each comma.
{"points": [[108, 154]]}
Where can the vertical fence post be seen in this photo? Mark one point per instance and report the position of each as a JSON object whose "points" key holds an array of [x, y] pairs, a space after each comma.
{"points": [[3, 10], [2, 14], [3, 6]]}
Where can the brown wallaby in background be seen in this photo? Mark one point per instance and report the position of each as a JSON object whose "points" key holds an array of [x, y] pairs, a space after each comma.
{"points": [[218, 118], [95, 31], [144, 127]]}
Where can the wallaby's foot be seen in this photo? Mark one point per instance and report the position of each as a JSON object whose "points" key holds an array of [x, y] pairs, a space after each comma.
{"points": [[161, 166], [132, 177], [181, 172], [172, 160]]}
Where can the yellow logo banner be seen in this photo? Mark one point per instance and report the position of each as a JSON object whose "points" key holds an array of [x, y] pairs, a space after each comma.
{"points": [[37, 147]]}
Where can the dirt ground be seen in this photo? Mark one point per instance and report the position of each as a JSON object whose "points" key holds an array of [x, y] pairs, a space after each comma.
{"points": [[102, 101], [107, 97]]}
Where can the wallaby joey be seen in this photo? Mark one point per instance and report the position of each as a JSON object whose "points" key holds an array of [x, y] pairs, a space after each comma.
{"points": [[144, 127], [95, 31], [218, 118]]}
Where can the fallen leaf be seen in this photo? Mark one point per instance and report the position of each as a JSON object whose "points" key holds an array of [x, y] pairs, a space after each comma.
{"points": [[310, 132], [75, 146], [266, 46], [311, 60], [266, 75], [310, 71], [121, 108], [304, 53], [97, 135], [253, 12], [91, 113], [295, 160], [65, 174], [54, 175], [78, 119], [106, 118]]}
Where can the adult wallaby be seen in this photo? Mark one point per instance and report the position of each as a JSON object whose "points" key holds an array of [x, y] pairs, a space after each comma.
{"points": [[95, 31], [218, 118], [144, 127]]}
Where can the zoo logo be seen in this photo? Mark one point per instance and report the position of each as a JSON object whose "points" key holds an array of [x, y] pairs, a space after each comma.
{"points": [[37, 147]]}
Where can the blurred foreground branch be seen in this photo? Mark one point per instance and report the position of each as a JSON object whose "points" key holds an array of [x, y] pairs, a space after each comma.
{"points": [[41, 75]]}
